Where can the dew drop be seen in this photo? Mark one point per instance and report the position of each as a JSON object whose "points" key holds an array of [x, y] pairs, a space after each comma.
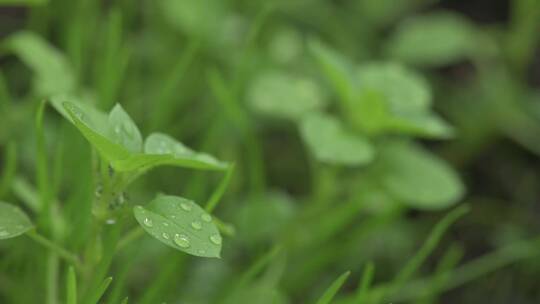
{"points": [[186, 206], [166, 224], [196, 225], [117, 130], [110, 221], [181, 240], [216, 239], [165, 235], [148, 222], [201, 251], [206, 217]]}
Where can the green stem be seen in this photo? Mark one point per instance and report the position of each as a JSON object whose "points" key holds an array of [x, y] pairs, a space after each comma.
{"points": [[61, 252]]}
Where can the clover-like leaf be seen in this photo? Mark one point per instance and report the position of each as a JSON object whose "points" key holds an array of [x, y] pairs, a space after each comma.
{"points": [[335, 67], [94, 126], [13, 221], [53, 74], [433, 39], [123, 130], [282, 95], [180, 224], [416, 177], [421, 124], [161, 149], [405, 91], [330, 143]]}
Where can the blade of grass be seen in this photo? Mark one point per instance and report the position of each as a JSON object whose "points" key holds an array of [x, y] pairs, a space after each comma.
{"points": [[100, 291], [365, 283], [331, 292], [9, 169], [429, 245], [71, 286]]}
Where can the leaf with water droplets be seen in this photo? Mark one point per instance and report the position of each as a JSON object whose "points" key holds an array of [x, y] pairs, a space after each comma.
{"points": [[330, 143], [161, 149], [123, 131], [181, 224], [94, 127], [13, 221]]}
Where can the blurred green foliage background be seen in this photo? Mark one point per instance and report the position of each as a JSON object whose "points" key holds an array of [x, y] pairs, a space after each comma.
{"points": [[355, 126]]}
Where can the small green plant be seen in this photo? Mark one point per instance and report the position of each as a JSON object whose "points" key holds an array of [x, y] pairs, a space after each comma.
{"points": [[121, 158]]}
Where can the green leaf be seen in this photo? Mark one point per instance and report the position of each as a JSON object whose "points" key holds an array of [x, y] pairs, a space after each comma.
{"points": [[53, 74], [161, 149], [282, 95], [405, 91], [416, 177], [330, 143], [335, 67], [181, 224], [202, 18], [421, 124], [13, 221], [95, 127], [393, 99], [434, 39], [123, 130], [331, 292]]}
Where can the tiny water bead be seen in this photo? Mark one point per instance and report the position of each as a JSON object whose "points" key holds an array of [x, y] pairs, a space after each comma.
{"points": [[216, 239], [181, 240], [201, 251], [196, 225], [186, 206], [165, 235], [148, 222], [166, 224], [206, 217]]}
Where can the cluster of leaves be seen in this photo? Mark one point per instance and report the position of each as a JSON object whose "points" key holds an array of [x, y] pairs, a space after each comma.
{"points": [[326, 108]]}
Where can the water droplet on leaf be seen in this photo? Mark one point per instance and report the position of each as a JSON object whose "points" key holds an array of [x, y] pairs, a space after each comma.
{"points": [[216, 239], [165, 235], [196, 225], [181, 240], [148, 222], [186, 206], [206, 217]]}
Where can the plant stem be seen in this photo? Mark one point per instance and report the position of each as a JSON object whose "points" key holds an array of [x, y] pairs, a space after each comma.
{"points": [[61, 252]]}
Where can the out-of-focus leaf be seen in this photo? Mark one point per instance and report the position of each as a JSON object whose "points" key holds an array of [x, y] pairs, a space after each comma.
{"points": [[330, 143], [262, 217], [417, 178], [180, 224], [195, 17], [335, 67], [405, 91], [434, 39], [282, 95], [13, 221], [53, 74], [392, 99]]}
